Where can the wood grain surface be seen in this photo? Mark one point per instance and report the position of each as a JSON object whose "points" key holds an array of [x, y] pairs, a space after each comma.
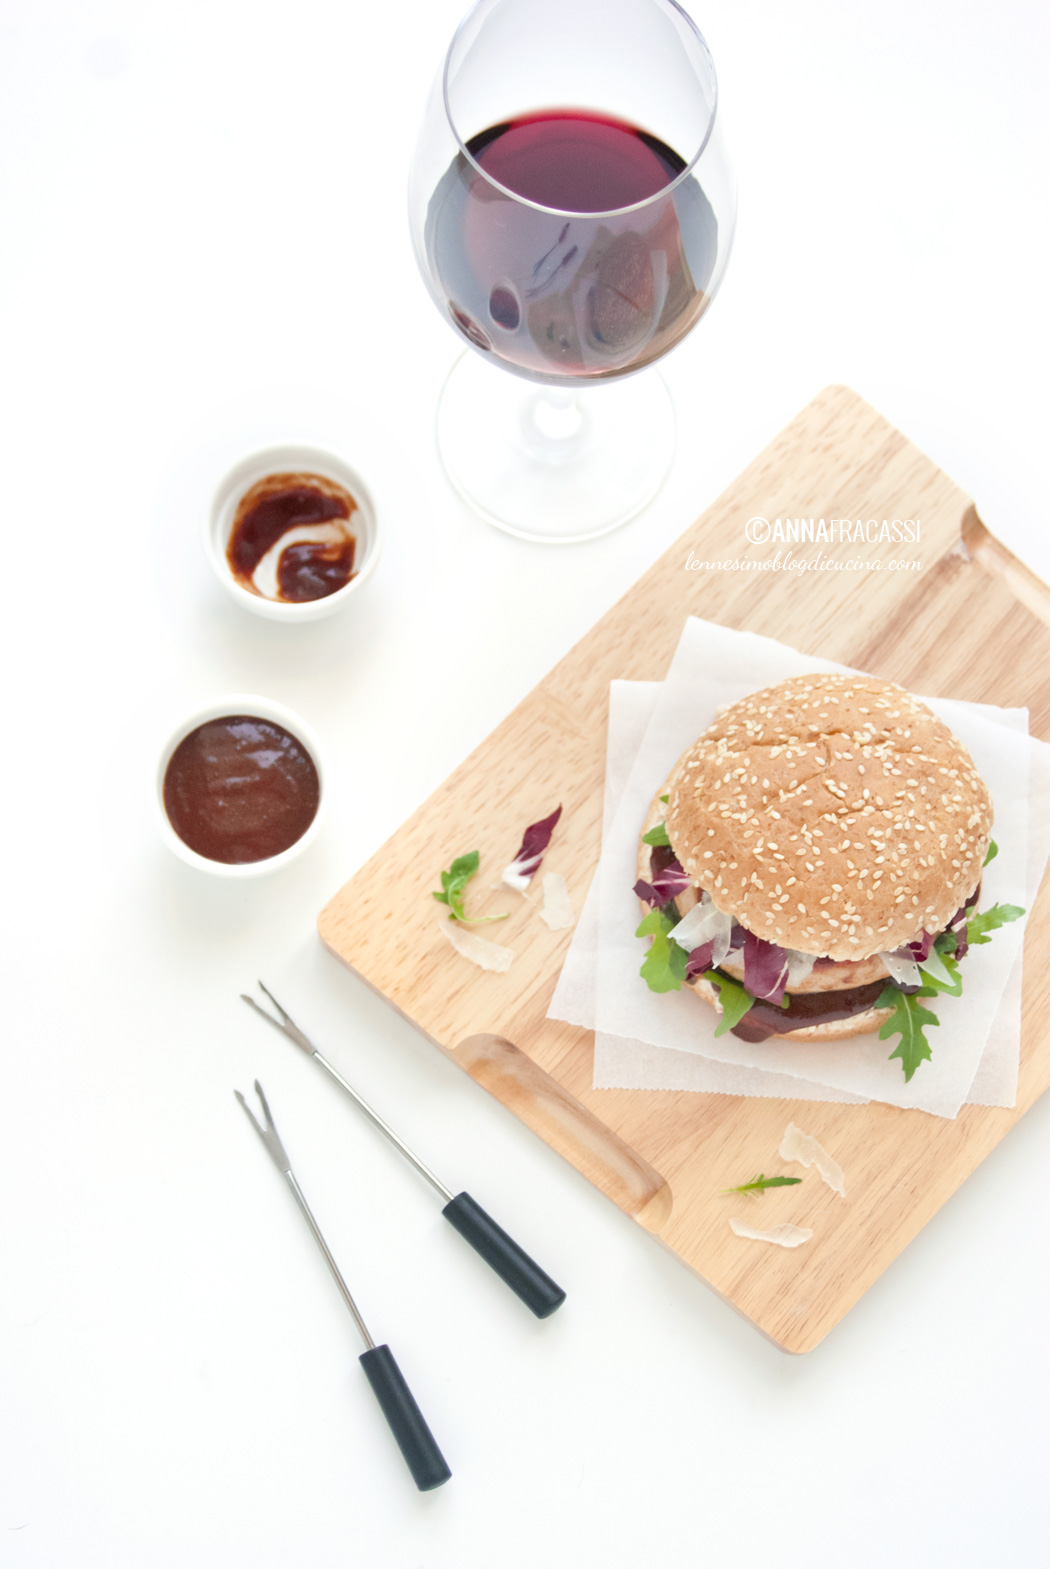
{"points": [[973, 623]]}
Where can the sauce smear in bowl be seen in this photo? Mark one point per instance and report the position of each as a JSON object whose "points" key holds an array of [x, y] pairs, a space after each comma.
{"points": [[291, 538]]}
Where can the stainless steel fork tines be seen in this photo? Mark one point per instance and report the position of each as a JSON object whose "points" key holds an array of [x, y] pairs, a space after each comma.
{"points": [[277, 1153], [287, 1026], [512, 1264]]}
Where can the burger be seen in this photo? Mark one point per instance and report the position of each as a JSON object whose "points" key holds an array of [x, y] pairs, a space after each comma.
{"points": [[812, 867]]}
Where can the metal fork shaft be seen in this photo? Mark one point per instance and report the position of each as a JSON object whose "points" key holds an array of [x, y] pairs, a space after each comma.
{"points": [[355, 1313], [385, 1128]]}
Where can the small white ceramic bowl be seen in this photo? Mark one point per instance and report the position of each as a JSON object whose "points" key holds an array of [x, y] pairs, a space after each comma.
{"points": [[258, 708], [292, 459]]}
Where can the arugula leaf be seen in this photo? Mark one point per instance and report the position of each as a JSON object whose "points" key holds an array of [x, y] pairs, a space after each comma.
{"points": [[993, 851], [760, 1183], [734, 999], [657, 835], [453, 886], [663, 968], [666, 798], [982, 922], [909, 1020]]}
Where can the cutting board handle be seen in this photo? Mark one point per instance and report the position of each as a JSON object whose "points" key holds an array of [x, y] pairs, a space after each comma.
{"points": [[568, 1127]]}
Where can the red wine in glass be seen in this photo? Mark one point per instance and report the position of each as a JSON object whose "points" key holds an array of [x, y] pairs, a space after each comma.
{"points": [[556, 252]]}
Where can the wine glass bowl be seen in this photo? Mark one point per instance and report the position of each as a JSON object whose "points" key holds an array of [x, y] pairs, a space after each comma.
{"points": [[572, 213]]}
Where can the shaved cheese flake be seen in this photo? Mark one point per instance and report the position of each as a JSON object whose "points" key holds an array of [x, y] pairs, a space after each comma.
{"points": [[799, 966], [557, 906], [904, 971], [803, 1148], [721, 944], [703, 923], [486, 955], [784, 1236], [696, 927], [523, 889], [935, 966]]}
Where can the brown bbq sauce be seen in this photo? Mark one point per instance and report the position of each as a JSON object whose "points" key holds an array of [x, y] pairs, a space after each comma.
{"points": [[240, 789], [765, 1019], [272, 508]]}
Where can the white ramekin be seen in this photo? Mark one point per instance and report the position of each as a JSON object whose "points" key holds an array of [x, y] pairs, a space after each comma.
{"points": [[291, 458], [259, 708]]}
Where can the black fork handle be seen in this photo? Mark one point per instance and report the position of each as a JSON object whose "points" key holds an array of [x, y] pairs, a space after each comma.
{"points": [[407, 1423], [512, 1264]]}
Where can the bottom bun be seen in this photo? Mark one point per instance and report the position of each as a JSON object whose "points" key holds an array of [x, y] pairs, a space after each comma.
{"points": [[833, 1030]]}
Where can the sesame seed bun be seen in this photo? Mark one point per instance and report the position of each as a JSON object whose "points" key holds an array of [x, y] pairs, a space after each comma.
{"points": [[832, 814], [828, 978]]}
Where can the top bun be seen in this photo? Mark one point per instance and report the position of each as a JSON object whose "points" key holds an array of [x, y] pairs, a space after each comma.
{"points": [[833, 814]]}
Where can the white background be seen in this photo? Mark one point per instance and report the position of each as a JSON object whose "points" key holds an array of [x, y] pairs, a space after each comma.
{"points": [[204, 248]]}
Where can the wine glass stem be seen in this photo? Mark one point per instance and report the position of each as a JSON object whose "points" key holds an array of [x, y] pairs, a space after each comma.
{"points": [[554, 425]]}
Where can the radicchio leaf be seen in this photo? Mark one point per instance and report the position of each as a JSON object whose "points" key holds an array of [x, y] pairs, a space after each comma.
{"points": [[525, 864], [700, 960], [765, 968], [919, 950], [667, 879]]}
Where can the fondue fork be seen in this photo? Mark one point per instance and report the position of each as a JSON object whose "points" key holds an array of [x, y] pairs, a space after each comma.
{"points": [[415, 1440], [513, 1265]]}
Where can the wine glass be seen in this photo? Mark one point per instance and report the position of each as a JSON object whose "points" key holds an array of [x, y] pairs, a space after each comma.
{"points": [[572, 212]]}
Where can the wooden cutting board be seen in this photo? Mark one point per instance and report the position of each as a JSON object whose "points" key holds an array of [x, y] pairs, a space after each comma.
{"points": [[973, 623]]}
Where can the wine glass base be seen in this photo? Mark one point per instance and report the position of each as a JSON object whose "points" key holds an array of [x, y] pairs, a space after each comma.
{"points": [[551, 464]]}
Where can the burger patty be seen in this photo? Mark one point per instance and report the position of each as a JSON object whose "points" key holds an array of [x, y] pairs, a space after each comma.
{"points": [[764, 1019]]}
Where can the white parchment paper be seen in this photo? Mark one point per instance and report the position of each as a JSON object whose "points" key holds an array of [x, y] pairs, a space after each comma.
{"points": [[600, 986]]}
